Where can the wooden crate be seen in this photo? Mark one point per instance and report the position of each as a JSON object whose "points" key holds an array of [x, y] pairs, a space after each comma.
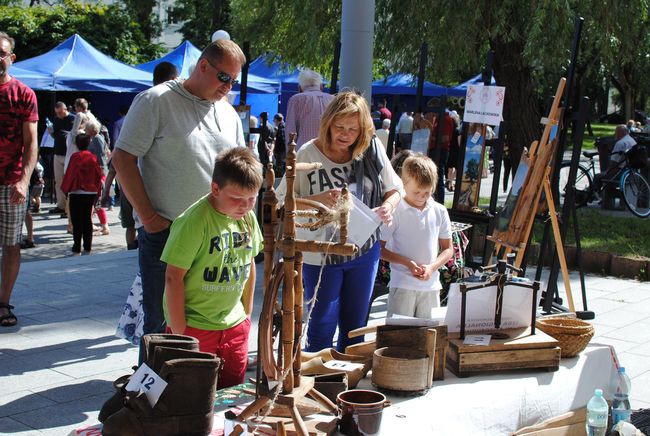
{"points": [[521, 351]]}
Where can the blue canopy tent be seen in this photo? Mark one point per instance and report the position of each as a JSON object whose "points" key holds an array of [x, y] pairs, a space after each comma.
{"points": [[278, 71], [184, 57], [262, 95], [405, 84], [75, 65], [33, 79], [461, 90], [262, 92]]}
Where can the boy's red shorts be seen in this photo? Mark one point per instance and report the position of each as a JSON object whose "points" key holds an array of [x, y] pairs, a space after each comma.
{"points": [[231, 345]]}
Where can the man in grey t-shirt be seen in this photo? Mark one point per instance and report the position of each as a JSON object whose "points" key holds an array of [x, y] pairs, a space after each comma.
{"points": [[165, 155]]}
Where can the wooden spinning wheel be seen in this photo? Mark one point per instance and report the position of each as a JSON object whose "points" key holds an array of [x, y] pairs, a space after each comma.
{"points": [[280, 325], [270, 325]]}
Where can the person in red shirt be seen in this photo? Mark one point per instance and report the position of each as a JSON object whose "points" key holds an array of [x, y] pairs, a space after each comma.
{"points": [[384, 113], [83, 183], [18, 151]]}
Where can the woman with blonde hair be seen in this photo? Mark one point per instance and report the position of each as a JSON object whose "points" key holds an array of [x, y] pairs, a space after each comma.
{"points": [[350, 155]]}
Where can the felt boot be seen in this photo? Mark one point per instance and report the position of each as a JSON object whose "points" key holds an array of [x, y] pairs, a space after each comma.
{"points": [[184, 408], [116, 401], [150, 342]]}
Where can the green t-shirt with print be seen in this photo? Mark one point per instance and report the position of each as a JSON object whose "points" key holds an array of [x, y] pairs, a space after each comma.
{"points": [[217, 251]]}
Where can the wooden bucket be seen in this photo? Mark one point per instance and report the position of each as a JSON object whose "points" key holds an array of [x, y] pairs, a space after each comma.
{"points": [[401, 369]]}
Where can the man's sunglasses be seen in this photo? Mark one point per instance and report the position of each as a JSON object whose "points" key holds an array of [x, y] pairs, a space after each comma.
{"points": [[223, 77]]}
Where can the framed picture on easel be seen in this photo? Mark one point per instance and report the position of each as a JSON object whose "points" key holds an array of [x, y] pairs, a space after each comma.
{"points": [[472, 169]]}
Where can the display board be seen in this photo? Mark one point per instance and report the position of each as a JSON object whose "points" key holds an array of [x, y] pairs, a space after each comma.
{"points": [[470, 185]]}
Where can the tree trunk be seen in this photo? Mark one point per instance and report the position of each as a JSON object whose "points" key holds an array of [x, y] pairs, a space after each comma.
{"points": [[218, 21], [520, 111], [628, 103], [624, 83]]}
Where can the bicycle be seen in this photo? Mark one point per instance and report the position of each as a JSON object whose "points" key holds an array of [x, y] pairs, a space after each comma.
{"points": [[626, 175]]}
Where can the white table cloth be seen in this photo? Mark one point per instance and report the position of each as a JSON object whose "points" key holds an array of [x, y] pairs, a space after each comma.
{"points": [[499, 404]]}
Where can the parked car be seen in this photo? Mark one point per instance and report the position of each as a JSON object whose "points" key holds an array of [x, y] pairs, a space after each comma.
{"points": [[618, 117]]}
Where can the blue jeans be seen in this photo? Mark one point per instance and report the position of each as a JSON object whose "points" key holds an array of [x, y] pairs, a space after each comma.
{"points": [[152, 270], [343, 298]]}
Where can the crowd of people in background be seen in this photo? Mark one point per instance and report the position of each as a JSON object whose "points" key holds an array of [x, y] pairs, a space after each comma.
{"points": [[446, 155], [637, 127]]}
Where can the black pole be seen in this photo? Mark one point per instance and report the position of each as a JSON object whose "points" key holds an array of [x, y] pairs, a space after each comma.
{"points": [[420, 87], [487, 72], [243, 88], [586, 313], [567, 104], [498, 157], [551, 290], [440, 131], [569, 210], [335, 68], [497, 145]]}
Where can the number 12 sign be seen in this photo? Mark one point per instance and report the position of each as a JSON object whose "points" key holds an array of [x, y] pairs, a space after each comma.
{"points": [[147, 381]]}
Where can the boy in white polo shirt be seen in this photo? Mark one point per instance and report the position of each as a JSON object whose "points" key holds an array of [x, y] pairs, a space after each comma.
{"points": [[418, 242]]}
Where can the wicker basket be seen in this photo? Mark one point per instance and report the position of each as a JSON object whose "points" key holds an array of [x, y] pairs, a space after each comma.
{"points": [[573, 334]]}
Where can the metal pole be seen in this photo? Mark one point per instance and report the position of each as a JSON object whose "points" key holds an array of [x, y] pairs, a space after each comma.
{"points": [[420, 87], [551, 289], [357, 33], [440, 112], [243, 89]]}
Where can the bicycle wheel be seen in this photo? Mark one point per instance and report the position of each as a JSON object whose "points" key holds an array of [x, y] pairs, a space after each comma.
{"points": [[636, 193], [583, 184]]}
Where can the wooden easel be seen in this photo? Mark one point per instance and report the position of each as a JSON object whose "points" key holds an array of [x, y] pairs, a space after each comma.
{"points": [[282, 383], [542, 152]]}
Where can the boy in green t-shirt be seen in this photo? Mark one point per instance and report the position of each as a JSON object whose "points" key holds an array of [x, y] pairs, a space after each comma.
{"points": [[210, 278]]}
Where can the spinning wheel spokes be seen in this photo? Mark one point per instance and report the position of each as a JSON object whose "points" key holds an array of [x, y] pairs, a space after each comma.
{"points": [[270, 325]]}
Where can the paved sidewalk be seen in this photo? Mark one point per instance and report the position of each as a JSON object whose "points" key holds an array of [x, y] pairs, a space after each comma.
{"points": [[57, 364], [53, 241]]}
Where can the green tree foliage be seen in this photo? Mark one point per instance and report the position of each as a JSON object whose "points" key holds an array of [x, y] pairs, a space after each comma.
{"points": [[143, 12], [302, 32], [618, 35], [108, 27], [201, 18], [531, 42]]}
